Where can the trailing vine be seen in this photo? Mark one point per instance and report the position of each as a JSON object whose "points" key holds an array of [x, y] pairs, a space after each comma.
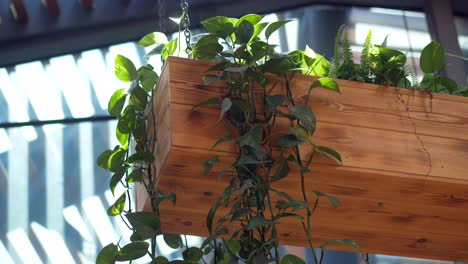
{"points": [[250, 110]]}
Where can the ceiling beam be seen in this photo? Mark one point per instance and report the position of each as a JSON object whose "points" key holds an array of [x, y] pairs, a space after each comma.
{"points": [[129, 20], [19, 11], [52, 6], [87, 4]]}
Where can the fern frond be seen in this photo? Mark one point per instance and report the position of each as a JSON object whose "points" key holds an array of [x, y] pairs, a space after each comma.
{"points": [[366, 50], [337, 54], [347, 53], [365, 67]]}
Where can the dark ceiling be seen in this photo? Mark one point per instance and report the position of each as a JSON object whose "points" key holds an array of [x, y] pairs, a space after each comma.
{"points": [[72, 25]]}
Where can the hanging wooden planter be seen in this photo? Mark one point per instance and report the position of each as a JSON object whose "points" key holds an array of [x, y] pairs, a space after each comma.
{"points": [[403, 184]]}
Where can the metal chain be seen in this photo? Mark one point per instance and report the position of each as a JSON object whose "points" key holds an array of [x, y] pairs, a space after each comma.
{"points": [[186, 24]]}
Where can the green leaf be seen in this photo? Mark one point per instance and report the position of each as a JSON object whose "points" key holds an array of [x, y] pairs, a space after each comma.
{"points": [[209, 164], [171, 197], [346, 242], [148, 78], [156, 50], [145, 224], [135, 176], [326, 82], [275, 26], [139, 98], [282, 215], [244, 32], [168, 49], [153, 38], [192, 254], [300, 132], [252, 138], [124, 69], [275, 100], [256, 222], [232, 245], [432, 58], [172, 45], [305, 115], [289, 141], [225, 106], [173, 241], [219, 25], [240, 110], [246, 160], [211, 101], [392, 56], [207, 48], [103, 159], [448, 83], [116, 159], [118, 206], [122, 137], [160, 260], [320, 67], [221, 140], [252, 18], [330, 152], [293, 205], [282, 171], [258, 28], [134, 250], [107, 254], [145, 156], [116, 102], [242, 212], [291, 259], [333, 200], [278, 66], [116, 179]]}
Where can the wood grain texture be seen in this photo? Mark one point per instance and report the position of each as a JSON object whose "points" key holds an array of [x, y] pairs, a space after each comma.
{"points": [[403, 183]]}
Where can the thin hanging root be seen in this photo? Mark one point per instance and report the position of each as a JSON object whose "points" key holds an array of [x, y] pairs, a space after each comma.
{"points": [[415, 132]]}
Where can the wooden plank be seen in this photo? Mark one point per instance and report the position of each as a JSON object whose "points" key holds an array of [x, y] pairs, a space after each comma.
{"points": [[384, 214], [52, 6], [403, 183], [359, 104], [360, 146]]}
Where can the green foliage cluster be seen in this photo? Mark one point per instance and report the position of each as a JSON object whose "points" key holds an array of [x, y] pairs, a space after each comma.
{"points": [[247, 64], [382, 65]]}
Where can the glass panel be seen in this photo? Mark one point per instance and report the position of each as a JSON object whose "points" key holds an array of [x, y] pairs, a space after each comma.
{"points": [[461, 24]]}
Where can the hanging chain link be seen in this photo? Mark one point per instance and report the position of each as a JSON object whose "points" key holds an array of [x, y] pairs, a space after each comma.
{"points": [[186, 24]]}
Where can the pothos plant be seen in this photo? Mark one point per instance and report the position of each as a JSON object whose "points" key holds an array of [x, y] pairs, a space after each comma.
{"points": [[250, 67]]}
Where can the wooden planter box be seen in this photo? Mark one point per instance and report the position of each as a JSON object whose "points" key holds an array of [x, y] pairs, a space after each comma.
{"points": [[403, 184]]}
